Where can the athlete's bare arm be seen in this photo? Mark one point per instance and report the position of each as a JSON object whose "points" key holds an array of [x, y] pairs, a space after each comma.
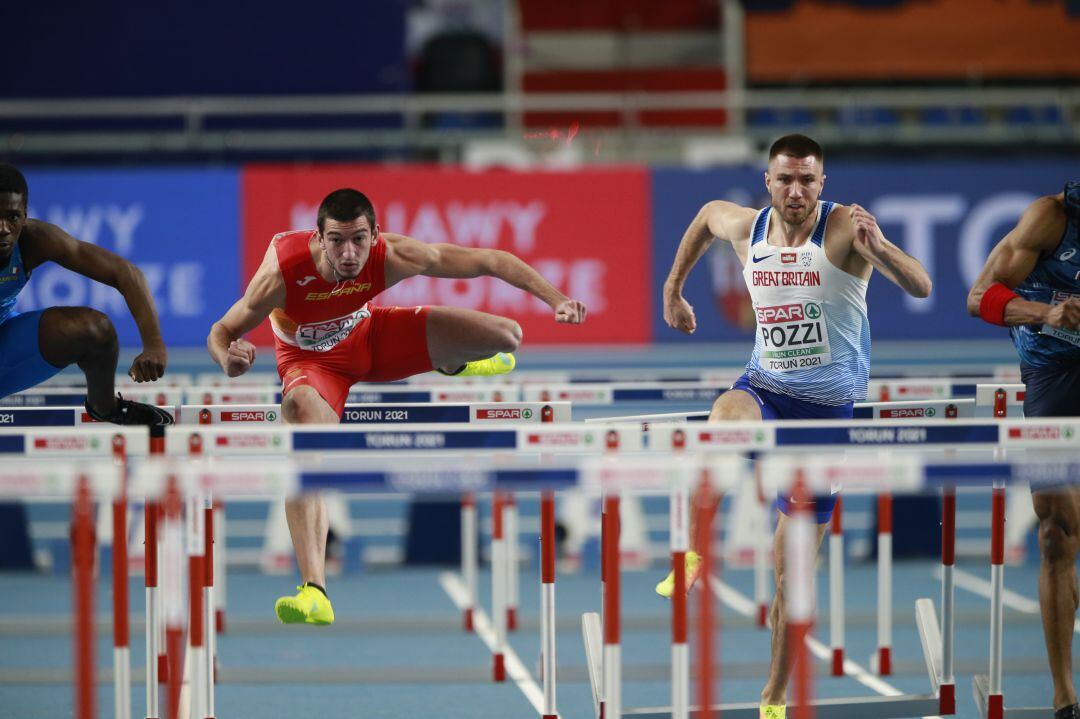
{"points": [[870, 244], [717, 219], [44, 242], [264, 293], [1038, 233], [406, 257]]}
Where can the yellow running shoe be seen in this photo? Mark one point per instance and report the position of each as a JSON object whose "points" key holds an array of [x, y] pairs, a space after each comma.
{"points": [[773, 711], [501, 363], [693, 569], [308, 606]]}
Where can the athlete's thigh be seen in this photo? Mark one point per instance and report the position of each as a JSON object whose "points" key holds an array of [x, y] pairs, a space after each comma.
{"points": [[312, 389], [455, 331], [397, 343], [736, 405], [21, 363]]}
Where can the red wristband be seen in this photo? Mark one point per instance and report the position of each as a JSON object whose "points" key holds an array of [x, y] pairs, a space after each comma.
{"points": [[992, 306]]}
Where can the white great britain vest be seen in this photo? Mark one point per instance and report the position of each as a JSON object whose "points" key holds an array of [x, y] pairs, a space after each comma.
{"points": [[813, 337]]}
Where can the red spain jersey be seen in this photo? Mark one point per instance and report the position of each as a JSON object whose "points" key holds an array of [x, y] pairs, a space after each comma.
{"points": [[319, 315]]}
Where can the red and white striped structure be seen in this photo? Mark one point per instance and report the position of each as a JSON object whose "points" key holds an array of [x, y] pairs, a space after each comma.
{"points": [[705, 515], [799, 550], [611, 705], [995, 707], [82, 555], [498, 584], [547, 603], [121, 604], [947, 684], [884, 583], [680, 652], [511, 535], [469, 560], [836, 588], [153, 609]]}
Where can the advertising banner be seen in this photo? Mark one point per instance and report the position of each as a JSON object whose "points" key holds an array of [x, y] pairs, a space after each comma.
{"points": [[179, 226], [948, 215], [586, 232]]}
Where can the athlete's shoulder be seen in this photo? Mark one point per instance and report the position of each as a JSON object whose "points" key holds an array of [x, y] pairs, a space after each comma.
{"points": [[728, 220]]}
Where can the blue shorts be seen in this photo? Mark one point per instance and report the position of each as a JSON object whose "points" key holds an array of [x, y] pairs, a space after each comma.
{"points": [[779, 406], [21, 363], [1052, 390]]}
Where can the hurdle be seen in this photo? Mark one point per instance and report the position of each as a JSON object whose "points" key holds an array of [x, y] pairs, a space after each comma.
{"points": [[401, 413]]}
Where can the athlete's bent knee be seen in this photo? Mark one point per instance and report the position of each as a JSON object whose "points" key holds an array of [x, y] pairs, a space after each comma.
{"points": [[509, 338], [301, 406], [1056, 541], [96, 329]]}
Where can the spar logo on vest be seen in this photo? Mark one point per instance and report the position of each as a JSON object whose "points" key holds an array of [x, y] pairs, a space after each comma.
{"points": [[793, 336], [327, 334]]}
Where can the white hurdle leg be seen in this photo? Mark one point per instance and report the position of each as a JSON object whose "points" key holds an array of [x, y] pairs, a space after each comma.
{"points": [[195, 516], [947, 683], [547, 602], [512, 563], [498, 585], [995, 701], [469, 559], [836, 588], [153, 616], [678, 512], [208, 603], [121, 611], [219, 569], [612, 641], [884, 584], [762, 544]]}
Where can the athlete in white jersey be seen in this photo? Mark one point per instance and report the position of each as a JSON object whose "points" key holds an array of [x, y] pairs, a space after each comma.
{"points": [[806, 264]]}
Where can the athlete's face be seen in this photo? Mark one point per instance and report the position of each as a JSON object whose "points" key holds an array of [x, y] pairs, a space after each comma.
{"points": [[794, 183], [12, 221], [347, 245]]}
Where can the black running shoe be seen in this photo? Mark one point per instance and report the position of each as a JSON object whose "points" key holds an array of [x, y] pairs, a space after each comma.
{"points": [[1072, 712], [128, 412]]}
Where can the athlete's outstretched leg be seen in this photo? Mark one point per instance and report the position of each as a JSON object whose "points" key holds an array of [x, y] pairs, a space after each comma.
{"points": [[457, 336], [308, 523], [86, 337], [1059, 539], [735, 405], [775, 691]]}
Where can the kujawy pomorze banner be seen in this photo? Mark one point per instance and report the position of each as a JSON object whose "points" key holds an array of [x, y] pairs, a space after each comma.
{"points": [[587, 232]]}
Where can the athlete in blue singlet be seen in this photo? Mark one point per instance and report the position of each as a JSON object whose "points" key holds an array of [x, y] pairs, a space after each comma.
{"points": [[806, 264], [36, 345], [1031, 284]]}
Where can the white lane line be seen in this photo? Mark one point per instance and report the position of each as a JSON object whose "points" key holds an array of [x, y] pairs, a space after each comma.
{"points": [[1013, 600], [745, 606], [515, 668]]}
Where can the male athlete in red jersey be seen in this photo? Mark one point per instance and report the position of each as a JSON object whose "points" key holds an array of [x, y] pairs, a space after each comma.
{"points": [[315, 287]]}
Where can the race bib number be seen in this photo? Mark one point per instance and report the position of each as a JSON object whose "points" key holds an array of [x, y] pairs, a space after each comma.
{"points": [[793, 337], [324, 336], [1070, 336]]}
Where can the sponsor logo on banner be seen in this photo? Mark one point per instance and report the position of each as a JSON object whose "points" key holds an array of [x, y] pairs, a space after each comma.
{"points": [[249, 416], [560, 439], [66, 444], [908, 412], [546, 218], [1041, 433], [477, 395], [730, 436], [779, 313], [248, 441], [519, 413]]}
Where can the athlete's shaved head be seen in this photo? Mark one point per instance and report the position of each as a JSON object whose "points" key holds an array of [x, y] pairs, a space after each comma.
{"points": [[796, 146], [345, 205], [11, 180]]}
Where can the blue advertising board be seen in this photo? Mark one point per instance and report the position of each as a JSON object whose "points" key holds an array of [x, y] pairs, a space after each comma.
{"points": [[947, 214], [181, 227]]}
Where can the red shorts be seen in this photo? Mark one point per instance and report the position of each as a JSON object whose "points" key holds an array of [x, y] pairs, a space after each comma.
{"points": [[388, 346]]}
